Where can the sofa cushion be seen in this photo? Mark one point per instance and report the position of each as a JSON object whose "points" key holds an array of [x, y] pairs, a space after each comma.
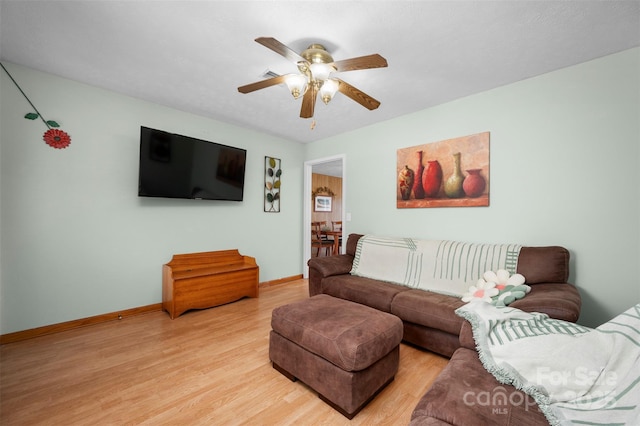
{"points": [[560, 301], [367, 291], [544, 264], [548, 264], [448, 267], [427, 308], [352, 244], [466, 394]]}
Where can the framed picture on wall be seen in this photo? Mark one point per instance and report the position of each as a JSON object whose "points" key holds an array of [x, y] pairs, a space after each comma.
{"points": [[322, 203], [448, 173]]}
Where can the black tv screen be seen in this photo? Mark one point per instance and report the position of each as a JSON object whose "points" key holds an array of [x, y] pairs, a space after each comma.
{"points": [[176, 166]]}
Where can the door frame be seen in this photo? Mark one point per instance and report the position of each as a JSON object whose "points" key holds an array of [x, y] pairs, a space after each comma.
{"points": [[307, 205]]}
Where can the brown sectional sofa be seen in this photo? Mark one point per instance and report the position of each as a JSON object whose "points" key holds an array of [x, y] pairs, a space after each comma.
{"points": [[430, 322]]}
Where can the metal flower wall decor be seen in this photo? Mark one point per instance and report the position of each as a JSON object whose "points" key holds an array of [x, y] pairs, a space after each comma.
{"points": [[53, 137], [272, 173]]}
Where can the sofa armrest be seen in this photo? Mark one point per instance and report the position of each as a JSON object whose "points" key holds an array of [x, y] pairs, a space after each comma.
{"points": [[322, 267], [331, 265], [466, 336], [558, 300]]}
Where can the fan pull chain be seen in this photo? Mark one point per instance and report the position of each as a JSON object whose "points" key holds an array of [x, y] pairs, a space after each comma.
{"points": [[313, 124]]}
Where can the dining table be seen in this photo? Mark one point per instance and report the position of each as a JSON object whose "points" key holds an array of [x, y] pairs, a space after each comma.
{"points": [[337, 235]]}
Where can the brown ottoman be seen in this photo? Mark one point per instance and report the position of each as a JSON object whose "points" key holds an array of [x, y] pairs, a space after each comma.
{"points": [[345, 351]]}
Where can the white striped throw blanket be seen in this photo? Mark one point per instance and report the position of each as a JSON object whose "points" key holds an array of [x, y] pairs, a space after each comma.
{"points": [[448, 267], [577, 375]]}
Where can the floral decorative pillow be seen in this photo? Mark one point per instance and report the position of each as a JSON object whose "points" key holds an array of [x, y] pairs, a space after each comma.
{"points": [[498, 288], [483, 290]]}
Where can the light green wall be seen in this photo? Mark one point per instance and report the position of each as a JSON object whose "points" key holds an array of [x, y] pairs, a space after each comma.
{"points": [[564, 171], [77, 241]]}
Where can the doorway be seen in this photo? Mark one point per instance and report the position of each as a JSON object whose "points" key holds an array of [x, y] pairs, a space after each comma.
{"points": [[332, 166]]}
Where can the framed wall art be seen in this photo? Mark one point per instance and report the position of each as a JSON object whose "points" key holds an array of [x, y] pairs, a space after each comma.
{"points": [[448, 173], [322, 203], [272, 174]]}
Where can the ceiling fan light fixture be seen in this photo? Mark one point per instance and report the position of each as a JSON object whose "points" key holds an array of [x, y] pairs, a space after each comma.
{"points": [[315, 66], [320, 72], [328, 90], [317, 54], [297, 84], [303, 67]]}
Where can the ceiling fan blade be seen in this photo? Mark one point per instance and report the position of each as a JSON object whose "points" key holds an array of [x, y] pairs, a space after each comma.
{"points": [[309, 102], [357, 95], [360, 63], [262, 84], [280, 49]]}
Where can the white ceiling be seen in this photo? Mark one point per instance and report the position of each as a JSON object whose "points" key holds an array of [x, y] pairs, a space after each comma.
{"points": [[192, 55], [330, 168]]}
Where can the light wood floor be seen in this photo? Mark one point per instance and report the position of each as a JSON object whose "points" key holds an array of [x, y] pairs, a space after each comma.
{"points": [[208, 367]]}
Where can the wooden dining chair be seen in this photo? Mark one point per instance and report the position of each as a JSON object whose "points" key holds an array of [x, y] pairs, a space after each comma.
{"points": [[318, 240], [320, 226], [336, 225]]}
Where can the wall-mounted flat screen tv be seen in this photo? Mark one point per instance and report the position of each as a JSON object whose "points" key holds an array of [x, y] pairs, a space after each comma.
{"points": [[176, 166]]}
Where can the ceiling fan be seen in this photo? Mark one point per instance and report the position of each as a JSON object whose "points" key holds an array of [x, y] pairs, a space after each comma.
{"points": [[315, 66]]}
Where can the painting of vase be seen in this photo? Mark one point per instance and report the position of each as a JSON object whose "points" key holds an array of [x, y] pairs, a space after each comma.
{"points": [[432, 179], [447, 173]]}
